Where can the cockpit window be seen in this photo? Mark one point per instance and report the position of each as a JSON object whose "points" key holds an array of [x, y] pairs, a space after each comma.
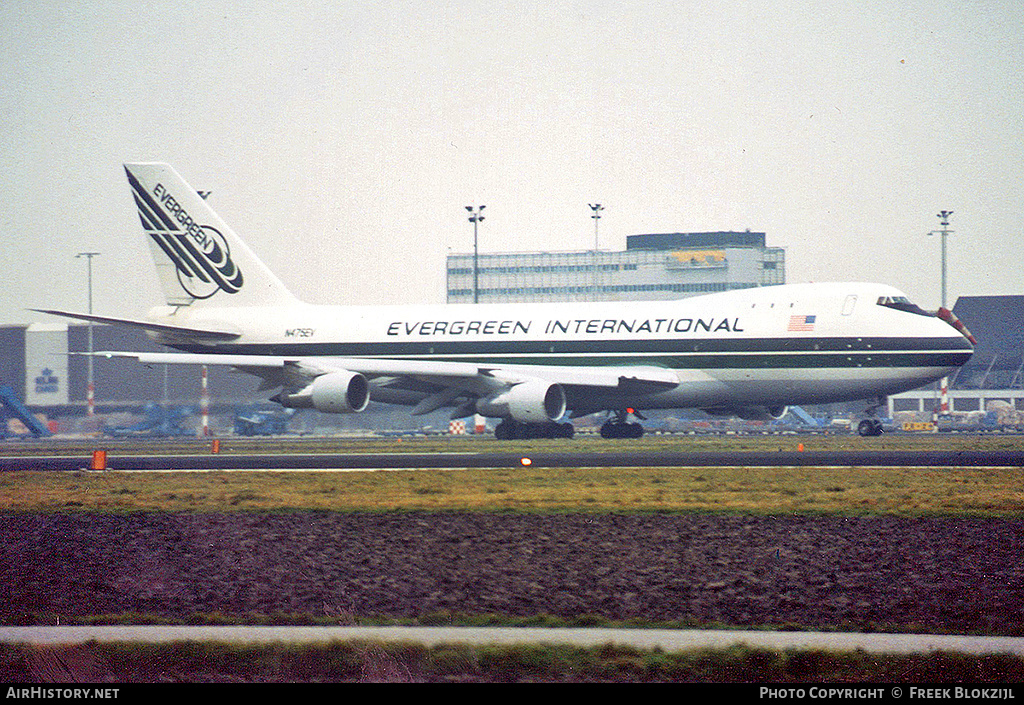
{"points": [[902, 303]]}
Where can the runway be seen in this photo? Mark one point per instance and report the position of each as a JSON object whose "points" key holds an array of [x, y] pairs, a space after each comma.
{"points": [[951, 458], [664, 639]]}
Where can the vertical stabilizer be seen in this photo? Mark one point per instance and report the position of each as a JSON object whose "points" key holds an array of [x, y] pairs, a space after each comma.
{"points": [[199, 259]]}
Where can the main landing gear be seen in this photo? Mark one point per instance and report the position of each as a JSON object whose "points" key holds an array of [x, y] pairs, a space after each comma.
{"points": [[510, 429], [620, 427]]}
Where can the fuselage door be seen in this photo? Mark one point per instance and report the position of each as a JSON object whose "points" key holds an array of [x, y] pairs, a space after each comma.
{"points": [[849, 304]]}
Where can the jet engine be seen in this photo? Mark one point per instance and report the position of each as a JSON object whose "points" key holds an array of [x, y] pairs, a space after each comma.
{"points": [[340, 392], [751, 413], [529, 402]]}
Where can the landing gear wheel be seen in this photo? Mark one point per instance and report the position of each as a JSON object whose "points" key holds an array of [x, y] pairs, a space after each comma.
{"points": [[510, 429], [620, 427], [616, 429], [506, 430]]}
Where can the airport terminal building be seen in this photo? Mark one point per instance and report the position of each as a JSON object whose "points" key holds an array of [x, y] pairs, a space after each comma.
{"points": [[36, 367], [653, 266]]}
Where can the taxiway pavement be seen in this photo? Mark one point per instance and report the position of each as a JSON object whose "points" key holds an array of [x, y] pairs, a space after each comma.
{"points": [[392, 461]]}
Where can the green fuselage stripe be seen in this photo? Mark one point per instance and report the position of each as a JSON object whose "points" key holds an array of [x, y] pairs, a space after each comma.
{"points": [[757, 353]]}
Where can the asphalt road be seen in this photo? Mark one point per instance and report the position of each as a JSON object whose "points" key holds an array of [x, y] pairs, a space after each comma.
{"points": [[371, 461]]}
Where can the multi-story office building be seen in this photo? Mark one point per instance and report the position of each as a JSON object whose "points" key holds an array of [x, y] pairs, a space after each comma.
{"points": [[655, 266]]}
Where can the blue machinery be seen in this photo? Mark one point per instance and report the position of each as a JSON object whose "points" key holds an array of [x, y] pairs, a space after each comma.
{"points": [[12, 407]]}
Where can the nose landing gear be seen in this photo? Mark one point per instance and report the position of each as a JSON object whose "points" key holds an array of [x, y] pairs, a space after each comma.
{"points": [[872, 425]]}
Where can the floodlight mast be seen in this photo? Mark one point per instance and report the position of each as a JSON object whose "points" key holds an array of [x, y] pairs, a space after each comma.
{"points": [[475, 216], [943, 216], [597, 208], [90, 394], [945, 232]]}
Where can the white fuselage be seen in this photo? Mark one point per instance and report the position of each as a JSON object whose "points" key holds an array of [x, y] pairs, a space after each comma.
{"points": [[794, 344]]}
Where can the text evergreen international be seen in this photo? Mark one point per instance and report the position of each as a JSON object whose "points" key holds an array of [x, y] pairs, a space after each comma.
{"points": [[574, 326]]}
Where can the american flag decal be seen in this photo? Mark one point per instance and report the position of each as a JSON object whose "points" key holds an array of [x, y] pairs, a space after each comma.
{"points": [[799, 323]]}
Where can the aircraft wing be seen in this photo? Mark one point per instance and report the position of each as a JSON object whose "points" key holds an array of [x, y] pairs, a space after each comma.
{"points": [[222, 332], [427, 384]]}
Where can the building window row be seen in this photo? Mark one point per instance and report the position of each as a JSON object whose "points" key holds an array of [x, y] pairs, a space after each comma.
{"points": [[546, 269], [614, 289], [465, 271]]}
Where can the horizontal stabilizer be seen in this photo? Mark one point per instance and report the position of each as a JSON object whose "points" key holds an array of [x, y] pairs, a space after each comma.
{"points": [[160, 358], [203, 333]]}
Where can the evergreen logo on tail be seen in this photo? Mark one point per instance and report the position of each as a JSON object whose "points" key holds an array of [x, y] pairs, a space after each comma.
{"points": [[200, 253]]}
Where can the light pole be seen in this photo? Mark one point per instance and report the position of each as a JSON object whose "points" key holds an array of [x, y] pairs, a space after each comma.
{"points": [[475, 216], [597, 208], [943, 217], [90, 389], [944, 220]]}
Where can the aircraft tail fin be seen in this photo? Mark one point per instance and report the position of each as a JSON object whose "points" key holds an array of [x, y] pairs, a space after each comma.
{"points": [[199, 259]]}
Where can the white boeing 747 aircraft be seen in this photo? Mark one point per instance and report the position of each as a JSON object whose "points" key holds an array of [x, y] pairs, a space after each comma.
{"points": [[749, 352]]}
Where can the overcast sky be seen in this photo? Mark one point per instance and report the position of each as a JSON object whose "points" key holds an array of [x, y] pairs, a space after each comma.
{"points": [[342, 140]]}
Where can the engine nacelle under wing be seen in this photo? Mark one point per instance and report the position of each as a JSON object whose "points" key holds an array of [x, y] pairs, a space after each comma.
{"points": [[529, 402], [751, 413], [340, 392]]}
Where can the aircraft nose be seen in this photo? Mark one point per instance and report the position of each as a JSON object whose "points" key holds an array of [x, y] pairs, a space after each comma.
{"points": [[949, 317]]}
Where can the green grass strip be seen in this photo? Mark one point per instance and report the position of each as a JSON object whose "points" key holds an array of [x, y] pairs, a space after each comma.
{"points": [[965, 492]]}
